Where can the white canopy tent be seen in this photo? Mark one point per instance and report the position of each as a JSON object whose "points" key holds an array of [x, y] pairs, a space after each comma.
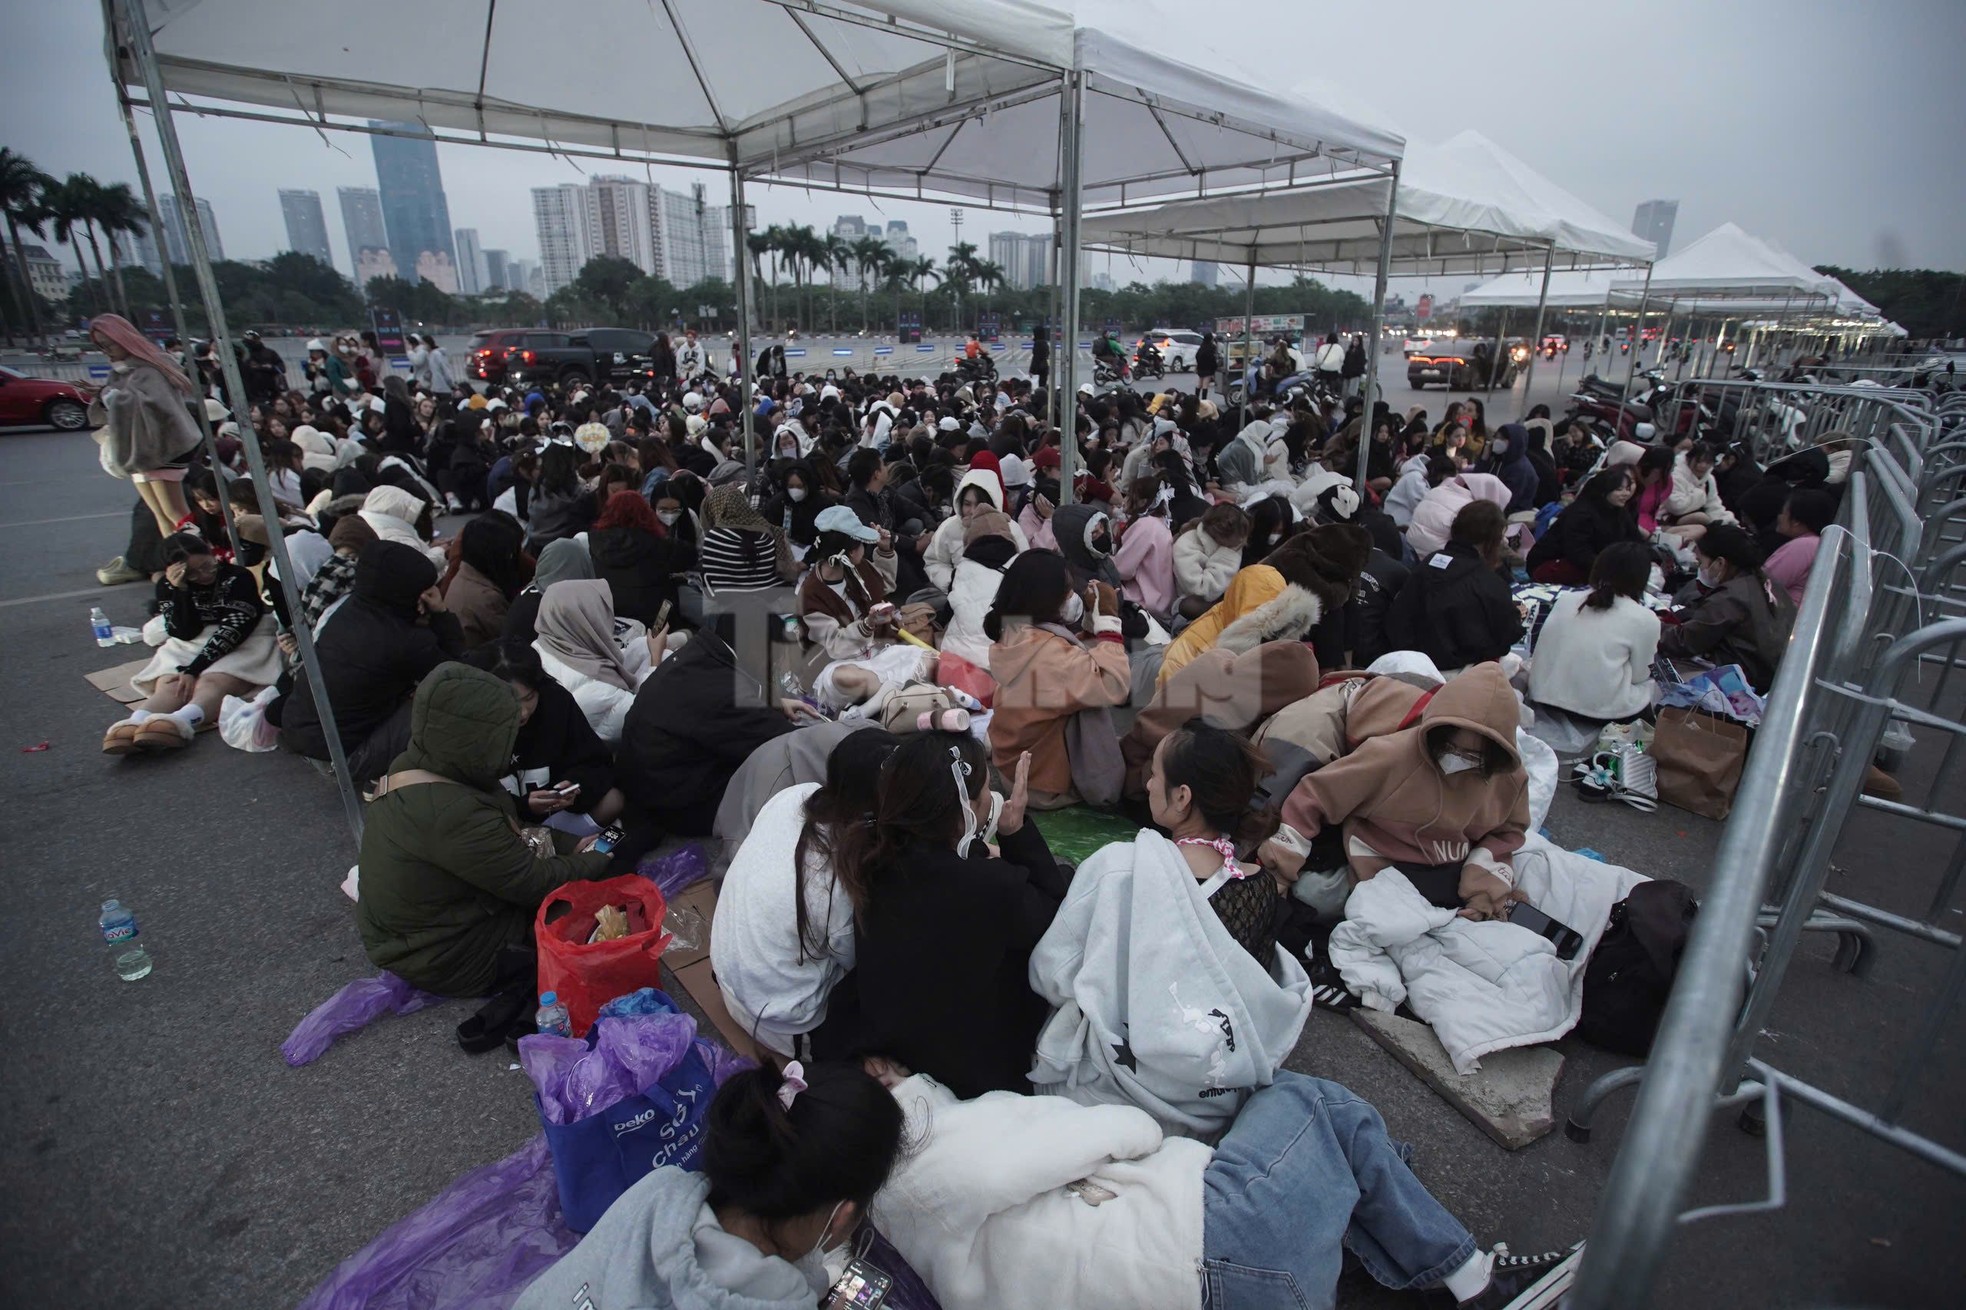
{"points": [[1465, 206], [907, 97]]}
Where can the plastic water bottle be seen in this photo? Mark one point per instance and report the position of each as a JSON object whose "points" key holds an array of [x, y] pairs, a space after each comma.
{"points": [[553, 1017], [105, 632], [119, 929]]}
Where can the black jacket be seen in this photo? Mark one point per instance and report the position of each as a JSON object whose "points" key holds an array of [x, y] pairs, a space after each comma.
{"points": [[373, 651], [1040, 356], [557, 745], [642, 569], [798, 520], [1581, 532], [871, 508], [687, 733], [1455, 610], [943, 957], [1370, 606], [1208, 360]]}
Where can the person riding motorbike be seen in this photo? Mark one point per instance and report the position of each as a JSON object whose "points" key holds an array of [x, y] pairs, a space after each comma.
{"points": [[1106, 351]]}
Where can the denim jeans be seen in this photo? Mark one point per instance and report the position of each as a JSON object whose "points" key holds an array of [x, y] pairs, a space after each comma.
{"points": [[1308, 1173]]}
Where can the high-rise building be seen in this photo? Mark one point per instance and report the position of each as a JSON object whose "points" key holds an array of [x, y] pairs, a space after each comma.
{"points": [[617, 216], [1653, 222], [524, 275], [1024, 257], [414, 210], [850, 228], [307, 225], [690, 236], [368, 239], [44, 272], [175, 246], [898, 240], [470, 261], [559, 215], [497, 270], [1202, 272]]}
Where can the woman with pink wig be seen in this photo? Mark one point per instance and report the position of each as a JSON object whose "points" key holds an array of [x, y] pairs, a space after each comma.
{"points": [[143, 418]]}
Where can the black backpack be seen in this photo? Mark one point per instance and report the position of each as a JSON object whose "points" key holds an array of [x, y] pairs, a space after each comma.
{"points": [[1631, 972]]}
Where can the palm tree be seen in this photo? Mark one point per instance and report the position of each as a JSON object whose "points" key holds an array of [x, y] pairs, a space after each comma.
{"points": [[989, 277], [774, 245], [119, 213], [804, 252], [917, 271], [839, 259], [759, 244], [959, 270], [68, 204], [21, 188], [870, 257]]}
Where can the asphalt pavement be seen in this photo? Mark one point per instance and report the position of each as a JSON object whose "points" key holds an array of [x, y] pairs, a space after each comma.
{"points": [[162, 1155]]}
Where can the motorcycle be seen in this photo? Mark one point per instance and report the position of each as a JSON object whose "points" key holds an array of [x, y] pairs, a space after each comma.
{"points": [[1601, 405], [980, 369], [1147, 363], [1107, 369]]}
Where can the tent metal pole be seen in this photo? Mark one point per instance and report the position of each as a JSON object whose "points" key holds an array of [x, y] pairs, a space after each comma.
{"points": [[1379, 280], [1603, 317], [178, 319], [145, 57], [1719, 340], [1536, 340], [1248, 336], [1637, 343], [1071, 207], [741, 268]]}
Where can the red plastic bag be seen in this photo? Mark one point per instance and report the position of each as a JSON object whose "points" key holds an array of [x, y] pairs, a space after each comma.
{"points": [[589, 976], [955, 671]]}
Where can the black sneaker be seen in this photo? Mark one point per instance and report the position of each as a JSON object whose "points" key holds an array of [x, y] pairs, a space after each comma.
{"points": [[1526, 1282]]}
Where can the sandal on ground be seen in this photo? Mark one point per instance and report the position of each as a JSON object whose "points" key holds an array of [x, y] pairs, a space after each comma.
{"points": [[121, 739], [161, 732]]}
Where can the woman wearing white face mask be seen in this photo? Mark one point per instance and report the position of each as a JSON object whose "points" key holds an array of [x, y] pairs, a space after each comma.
{"points": [[1444, 798], [790, 1163], [1046, 671], [943, 925], [1732, 614]]}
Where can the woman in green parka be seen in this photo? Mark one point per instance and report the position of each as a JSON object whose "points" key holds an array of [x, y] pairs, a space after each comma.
{"points": [[446, 881]]}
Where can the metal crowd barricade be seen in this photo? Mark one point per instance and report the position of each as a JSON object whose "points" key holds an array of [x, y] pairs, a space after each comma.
{"points": [[1881, 606]]}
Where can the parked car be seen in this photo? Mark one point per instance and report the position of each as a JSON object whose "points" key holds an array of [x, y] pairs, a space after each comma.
{"points": [[1176, 345], [523, 355], [1464, 365], [28, 401]]}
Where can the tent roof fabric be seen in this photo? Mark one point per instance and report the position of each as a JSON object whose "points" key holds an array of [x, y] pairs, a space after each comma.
{"points": [[1464, 207], [939, 98], [1153, 127], [1569, 289], [665, 78], [1727, 263]]}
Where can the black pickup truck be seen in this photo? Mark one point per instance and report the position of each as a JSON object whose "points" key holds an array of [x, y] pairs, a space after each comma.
{"points": [[535, 355]]}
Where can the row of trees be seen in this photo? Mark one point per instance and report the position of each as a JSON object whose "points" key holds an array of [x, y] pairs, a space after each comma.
{"points": [[75, 209], [1923, 301]]}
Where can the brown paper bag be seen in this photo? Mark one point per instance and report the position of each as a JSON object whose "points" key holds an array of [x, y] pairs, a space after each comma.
{"points": [[1699, 757]]}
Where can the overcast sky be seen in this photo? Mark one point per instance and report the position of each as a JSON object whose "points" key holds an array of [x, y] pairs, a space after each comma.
{"points": [[1829, 126]]}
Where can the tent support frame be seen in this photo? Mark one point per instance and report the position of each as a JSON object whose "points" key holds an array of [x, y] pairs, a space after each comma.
{"points": [[1071, 210], [145, 56], [1371, 382], [1536, 340]]}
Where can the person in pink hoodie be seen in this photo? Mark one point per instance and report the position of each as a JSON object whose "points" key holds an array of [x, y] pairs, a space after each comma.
{"points": [[1433, 517], [1804, 515], [1145, 553]]}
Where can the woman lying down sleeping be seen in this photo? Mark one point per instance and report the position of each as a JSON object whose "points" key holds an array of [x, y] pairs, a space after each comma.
{"points": [[1014, 1201]]}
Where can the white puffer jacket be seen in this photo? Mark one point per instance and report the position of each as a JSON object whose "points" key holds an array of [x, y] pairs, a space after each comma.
{"points": [[392, 513], [975, 590], [945, 548], [605, 705], [1482, 986], [1202, 566]]}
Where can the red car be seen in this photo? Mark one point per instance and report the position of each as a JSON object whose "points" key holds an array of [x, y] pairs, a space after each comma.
{"points": [[26, 401]]}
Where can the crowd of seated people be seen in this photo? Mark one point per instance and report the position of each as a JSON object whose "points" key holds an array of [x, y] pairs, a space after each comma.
{"points": [[892, 648]]}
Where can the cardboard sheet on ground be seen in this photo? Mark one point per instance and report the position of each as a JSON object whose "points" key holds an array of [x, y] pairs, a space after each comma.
{"points": [[1076, 831], [114, 682]]}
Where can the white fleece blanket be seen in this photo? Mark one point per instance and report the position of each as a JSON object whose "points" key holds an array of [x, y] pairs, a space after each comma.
{"points": [[1482, 986], [1158, 1006]]}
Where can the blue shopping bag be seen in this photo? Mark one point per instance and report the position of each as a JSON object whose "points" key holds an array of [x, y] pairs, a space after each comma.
{"points": [[598, 1156]]}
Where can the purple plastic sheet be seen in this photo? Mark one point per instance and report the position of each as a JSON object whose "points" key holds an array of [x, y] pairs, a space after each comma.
{"points": [[480, 1241], [475, 1246], [355, 1006], [629, 1054], [676, 871]]}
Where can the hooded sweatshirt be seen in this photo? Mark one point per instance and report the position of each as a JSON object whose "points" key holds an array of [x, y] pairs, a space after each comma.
{"points": [[660, 1247], [1512, 466], [1454, 609], [1072, 526], [1203, 566], [392, 513], [1391, 795], [1243, 462], [446, 879], [945, 548]]}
